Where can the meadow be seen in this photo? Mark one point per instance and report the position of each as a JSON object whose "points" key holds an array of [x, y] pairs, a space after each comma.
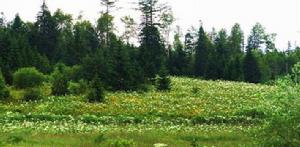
{"points": [[194, 113]]}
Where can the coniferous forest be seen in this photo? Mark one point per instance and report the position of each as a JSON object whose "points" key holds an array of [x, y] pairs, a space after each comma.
{"points": [[62, 68]]}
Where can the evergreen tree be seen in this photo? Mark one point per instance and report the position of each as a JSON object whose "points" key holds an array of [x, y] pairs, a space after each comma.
{"points": [[60, 80], [65, 38], [252, 72], [202, 54], [152, 50], [105, 28], [46, 38], [96, 93], [164, 82], [236, 40], [85, 42], [222, 54], [178, 58]]}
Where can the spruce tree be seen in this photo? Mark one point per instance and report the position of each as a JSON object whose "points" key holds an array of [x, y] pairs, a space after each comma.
{"points": [[201, 54], [251, 68], [222, 53], [163, 80], [46, 38], [152, 50], [96, 93]]}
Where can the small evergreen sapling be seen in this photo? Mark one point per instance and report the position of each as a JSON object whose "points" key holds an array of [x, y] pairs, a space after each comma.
{"points": [[164, 82]]}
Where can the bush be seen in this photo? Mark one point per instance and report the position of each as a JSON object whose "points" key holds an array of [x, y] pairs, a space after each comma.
{"points": [[99, 138], [4, 92], [28, 78], [121, 143], [60, 80], [96, 92], [32, 94], [15, 139], [282, 127], [77, 88]]}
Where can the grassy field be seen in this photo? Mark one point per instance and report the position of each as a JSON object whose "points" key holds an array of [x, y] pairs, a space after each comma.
{"points": [[195, 112]]}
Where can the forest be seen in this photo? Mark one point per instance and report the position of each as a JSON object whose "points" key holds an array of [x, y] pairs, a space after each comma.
{"points": [[73, 71]]}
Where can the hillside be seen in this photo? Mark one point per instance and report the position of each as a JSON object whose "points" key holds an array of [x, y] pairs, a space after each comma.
{"points": [[212, 112]]}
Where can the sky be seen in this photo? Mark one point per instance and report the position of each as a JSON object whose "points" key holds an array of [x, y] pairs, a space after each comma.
{"points": [[277, 16]]}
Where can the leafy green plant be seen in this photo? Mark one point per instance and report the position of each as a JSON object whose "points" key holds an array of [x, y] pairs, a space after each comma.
{"points": [[77, 88], [282, 128], [28, 78], [14, 139], [122, 143], [32, 94], [99, 138], [96, 93], [60, 80]]}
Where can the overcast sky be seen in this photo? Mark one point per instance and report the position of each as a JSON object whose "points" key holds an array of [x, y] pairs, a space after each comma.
{"points": [[278, 16]]}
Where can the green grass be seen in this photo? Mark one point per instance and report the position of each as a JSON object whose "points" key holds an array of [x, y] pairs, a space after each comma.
{"points": [[139, 139], [209, 112]]}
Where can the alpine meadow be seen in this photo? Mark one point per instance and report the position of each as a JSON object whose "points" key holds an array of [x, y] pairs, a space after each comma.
{"points": [[68, 81]]}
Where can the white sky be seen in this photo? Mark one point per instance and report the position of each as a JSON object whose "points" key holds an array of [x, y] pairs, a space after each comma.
{"points": [[278, 16]]}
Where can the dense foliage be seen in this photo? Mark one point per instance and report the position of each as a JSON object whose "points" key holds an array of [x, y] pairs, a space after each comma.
{"points": [[282, 127], [28, 78], [4, 92], [97, 50]]}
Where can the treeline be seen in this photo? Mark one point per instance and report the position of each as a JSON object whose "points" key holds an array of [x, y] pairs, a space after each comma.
{"points": [[224, 55], [93, 52]]}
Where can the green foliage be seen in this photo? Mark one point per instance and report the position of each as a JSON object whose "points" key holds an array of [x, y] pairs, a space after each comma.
{"points": [[60, 79], [295, 75], [32, 94], [163, 81], [122, 143], [252, 72], [96, 93], [152, 51], [4, 92], [99, 138], [282, 128], [28, 78], [77, 88], [14, 139], [202, 54]]}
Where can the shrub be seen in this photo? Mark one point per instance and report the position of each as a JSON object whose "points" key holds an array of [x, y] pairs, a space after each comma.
{"points": [[296, 73], [27, 78], [15, 139], [32, 94], [96, 92], [282, 127], [4, 92], [60, 80], [99, 138], [77, 88], [121, 143]]}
